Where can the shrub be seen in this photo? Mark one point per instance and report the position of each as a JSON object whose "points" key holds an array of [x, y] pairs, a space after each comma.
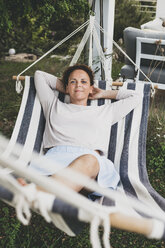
{"points": [[126, 14]]}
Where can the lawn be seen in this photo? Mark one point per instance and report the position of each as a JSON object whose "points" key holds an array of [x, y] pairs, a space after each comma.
{"points": [[41, 234]]}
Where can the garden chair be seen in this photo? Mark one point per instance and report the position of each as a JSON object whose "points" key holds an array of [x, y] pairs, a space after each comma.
{"points": [[146, 49]]}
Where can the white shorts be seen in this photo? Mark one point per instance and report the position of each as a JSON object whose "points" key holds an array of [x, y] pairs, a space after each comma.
{"points": [[62, 156]]}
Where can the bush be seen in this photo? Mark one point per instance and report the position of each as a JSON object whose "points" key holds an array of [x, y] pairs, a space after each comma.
{"points": [[126, 15], [32, 26], [156, 143]]}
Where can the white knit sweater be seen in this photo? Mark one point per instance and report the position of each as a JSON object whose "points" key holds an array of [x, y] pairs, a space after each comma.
{"points": [[76, 125]]}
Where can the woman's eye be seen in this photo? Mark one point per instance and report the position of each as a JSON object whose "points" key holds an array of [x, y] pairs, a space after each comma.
{"points": [[83, 82], [73, 82]]}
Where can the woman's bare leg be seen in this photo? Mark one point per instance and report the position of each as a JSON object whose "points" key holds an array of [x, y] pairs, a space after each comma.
{"points": [[86, 164], [132, 224], [89, 166]]}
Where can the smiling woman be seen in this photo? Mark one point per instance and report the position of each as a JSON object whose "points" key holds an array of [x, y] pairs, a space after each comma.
{"points": [[79, 87], [76, 134]]}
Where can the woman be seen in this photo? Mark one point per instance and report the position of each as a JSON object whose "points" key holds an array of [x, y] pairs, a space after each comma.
{"points": [[77, 135]]}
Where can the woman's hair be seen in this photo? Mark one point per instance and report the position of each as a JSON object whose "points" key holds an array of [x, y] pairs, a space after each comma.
{"points": [[83, 67]]}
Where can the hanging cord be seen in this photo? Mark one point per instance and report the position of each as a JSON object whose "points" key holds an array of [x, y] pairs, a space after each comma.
{"points": [[21, 198], [101, 54], [82, 43], [92, 21], [55, 188], [107, 229], [19, 87], [101, 218], [94, 237], [152, 85], [73, 198]]}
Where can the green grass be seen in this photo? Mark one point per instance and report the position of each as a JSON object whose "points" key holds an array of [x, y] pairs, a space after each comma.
{"points": [[41, 234], [156, 142]]}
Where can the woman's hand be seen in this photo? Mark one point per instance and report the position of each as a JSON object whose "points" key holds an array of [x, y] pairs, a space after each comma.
{"points": [[97, 93]]}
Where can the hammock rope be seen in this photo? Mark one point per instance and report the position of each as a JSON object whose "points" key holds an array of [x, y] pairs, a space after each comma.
{"points": [[18, 83], [90, 62], [125, 54], [29, 193], [66, 193], [91, 211], [90, 30], [81, 46], [94, 232]]}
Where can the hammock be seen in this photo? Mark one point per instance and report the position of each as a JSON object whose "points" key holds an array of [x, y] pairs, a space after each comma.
{"points": [[126, 149]]}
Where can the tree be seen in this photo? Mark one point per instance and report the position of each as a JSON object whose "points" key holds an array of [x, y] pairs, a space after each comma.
{"points": [[35, 26], [32, 26], [126, 15]]}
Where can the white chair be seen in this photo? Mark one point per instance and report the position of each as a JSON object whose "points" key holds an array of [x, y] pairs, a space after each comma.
{"points": [[153, 71]]}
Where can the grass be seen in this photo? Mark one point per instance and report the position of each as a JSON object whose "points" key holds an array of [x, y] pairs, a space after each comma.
{"points": [[156, 142], [41, 234]]}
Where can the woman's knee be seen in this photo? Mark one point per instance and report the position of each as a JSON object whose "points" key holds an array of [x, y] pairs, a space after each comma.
{"points": [[90, 157], [92, 164]]}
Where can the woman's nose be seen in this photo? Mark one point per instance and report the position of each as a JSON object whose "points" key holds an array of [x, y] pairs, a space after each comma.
{"points": [[78, 83]]}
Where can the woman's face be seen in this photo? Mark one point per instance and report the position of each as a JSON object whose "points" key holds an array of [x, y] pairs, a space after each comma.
{"points": [[79, 87]]}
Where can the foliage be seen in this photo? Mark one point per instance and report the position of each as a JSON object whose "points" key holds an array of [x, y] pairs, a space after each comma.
{"points": [[32, 26], [156, 142], [9, 100], [9, 227], [125, 15], [35, 26]]}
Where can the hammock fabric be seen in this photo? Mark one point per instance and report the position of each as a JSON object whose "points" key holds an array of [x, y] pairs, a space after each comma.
{"points": [[127, 149]]}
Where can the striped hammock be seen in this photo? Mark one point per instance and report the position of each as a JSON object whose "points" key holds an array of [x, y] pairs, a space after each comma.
{"points": [[127, 149]]}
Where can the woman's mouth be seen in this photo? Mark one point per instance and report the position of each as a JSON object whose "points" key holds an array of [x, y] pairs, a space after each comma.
{"points": [[78, 90]]}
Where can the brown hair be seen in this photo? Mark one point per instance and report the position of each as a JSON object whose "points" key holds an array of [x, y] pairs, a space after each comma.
{"points": [[83, 67]]}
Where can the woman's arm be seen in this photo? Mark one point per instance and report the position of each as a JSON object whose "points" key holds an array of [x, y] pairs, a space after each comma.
{"points": [[128, 100], [60, 86], [99, 93], [45, 84], [50, 80]]}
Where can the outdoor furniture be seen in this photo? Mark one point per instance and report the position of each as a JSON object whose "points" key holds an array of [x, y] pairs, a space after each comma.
{"points": [[146, 48]]}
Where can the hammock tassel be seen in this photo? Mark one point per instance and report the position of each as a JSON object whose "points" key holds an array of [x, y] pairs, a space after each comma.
{"points": [[18, 86], [152, 90]]}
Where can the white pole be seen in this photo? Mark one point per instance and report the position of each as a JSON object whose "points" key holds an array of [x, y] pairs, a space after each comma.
{"points": [[96, 63], [108, 25], [160, 9], [108, 22]]}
